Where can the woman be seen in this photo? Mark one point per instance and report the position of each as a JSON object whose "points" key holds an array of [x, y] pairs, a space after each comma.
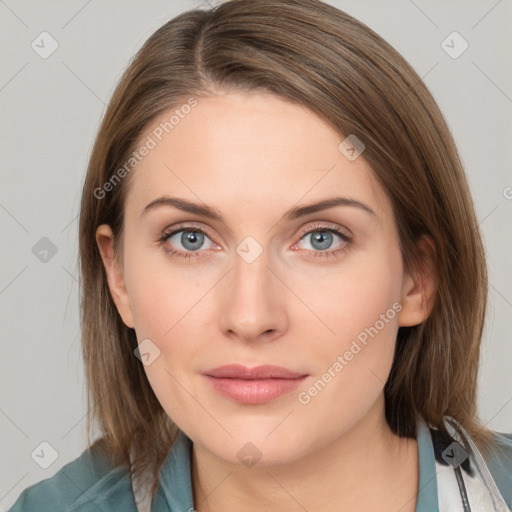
{"points": [[283, 280]]}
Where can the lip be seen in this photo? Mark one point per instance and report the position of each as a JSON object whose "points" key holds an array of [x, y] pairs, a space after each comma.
{"points": [[238, 371], [255, 385]]}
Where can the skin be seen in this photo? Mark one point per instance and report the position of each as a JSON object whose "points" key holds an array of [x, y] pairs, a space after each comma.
{"points": [[252, 157]]}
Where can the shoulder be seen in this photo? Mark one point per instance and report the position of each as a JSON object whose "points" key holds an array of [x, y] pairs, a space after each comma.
{"points": [[88, 483], [499, 462]]}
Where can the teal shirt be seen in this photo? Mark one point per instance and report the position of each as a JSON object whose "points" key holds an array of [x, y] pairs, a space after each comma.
{"points": [[91, 484]]}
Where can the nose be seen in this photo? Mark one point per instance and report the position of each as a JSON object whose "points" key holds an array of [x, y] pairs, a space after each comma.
{"points": [[253, 301]]}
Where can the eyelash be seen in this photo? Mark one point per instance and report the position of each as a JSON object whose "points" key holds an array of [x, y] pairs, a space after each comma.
{"points": [[316, 254]]}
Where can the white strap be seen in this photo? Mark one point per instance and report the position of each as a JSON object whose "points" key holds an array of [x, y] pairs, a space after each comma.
{"points": [[482, 493]]}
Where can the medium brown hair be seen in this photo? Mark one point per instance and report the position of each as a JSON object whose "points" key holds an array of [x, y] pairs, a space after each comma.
{"points": [[312, 54]]}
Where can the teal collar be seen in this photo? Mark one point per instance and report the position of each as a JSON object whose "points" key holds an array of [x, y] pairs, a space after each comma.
{"points": [[427, 491], [176, 480]]}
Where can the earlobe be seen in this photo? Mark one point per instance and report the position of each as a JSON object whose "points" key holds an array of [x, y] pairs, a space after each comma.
{"points": [[418, 289], [115, 277]]}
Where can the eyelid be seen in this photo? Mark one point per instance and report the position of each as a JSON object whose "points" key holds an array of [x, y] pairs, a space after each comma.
{"points": [[187, 226], [317, 225], [347, 240], [312, 226]]}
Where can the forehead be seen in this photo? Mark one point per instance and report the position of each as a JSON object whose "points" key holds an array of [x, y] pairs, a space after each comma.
{"points": [[248, 152]]}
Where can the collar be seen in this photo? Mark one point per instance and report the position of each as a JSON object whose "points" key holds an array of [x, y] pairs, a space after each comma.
{"points": [[176, 479]]}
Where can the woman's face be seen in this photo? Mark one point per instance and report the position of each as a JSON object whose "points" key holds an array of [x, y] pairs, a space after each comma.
{"points": [[265, 281]]}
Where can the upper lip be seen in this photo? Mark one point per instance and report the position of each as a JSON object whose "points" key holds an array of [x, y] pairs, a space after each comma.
{"points": [[237, 371]]}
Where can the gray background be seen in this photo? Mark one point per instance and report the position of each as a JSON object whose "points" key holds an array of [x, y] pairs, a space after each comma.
{"points": [[50, 112]]}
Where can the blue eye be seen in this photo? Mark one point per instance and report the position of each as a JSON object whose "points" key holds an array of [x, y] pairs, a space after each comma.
{"points": [[322, 238], [192, 239]]}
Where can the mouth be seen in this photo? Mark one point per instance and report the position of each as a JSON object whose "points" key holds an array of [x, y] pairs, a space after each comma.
{"points": [[254, 391], [256, 385]]}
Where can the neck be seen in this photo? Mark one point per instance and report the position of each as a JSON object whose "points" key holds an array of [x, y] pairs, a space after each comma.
{"points": [[366, 468]]}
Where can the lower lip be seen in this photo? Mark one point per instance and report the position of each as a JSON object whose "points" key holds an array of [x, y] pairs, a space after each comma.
{"points": [[254, 391]]}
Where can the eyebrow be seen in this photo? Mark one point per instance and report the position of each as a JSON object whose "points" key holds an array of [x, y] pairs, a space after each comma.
{"points": [[292, 214]]}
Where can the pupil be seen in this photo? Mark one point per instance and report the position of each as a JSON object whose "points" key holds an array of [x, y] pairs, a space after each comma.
{"points": [[191, 237], [323, 237]]}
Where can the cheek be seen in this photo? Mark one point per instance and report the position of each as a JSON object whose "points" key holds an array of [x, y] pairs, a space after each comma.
{"points": [[352, 369], [354, 296], [168, 308], [168, 312], [358, 306], [160, 293]]}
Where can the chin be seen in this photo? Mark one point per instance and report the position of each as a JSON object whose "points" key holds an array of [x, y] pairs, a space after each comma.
{"points": [[252, 445]]}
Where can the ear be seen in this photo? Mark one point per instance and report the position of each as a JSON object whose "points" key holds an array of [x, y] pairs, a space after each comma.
{"points": [[418, 290], [115, 277]]}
